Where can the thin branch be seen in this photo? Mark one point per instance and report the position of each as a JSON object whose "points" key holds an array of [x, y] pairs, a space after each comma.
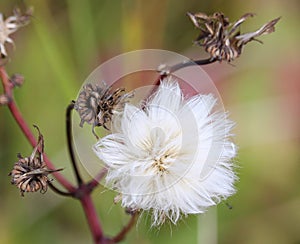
{"points": [[70, 144], [85, 200], [168, 70], [121, 235], [58, 191], [95, 181], [8, 89], [94, 224]]}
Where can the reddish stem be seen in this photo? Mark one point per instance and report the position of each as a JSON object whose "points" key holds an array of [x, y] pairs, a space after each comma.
{"points": [[95, 181], [85, 199], [121, 235], [91, 215], [82, 193], [8, 88]]}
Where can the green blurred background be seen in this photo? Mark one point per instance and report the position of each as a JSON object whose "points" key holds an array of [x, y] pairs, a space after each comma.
{"points": [[67, 39]]}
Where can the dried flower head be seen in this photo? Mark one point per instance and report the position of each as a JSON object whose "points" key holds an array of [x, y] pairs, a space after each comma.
{"points": [[30, 174], [97, 103], [172, 156], [222, 39], [11, 25]]}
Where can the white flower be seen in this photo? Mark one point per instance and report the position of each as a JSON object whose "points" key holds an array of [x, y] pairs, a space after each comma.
{"points": [[11, 25], [172, 156]]}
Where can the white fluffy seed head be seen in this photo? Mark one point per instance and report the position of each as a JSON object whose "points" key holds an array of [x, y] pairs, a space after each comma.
{"points": [[172, 157]]}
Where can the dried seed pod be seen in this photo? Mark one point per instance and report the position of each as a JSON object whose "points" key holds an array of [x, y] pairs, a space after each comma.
{"points": [[30, 174], [87, 104], [222, 39], [97, 103]]}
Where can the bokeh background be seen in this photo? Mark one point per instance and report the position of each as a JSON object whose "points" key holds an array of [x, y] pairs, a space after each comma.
{"points": [[67, 39]]}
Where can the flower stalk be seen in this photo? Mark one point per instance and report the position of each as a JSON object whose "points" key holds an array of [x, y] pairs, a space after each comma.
{"points": [[83, 191], [92, 219], [8, 90], [85, 200], [70, 142], [159, 154], [120, 236], [165, 70]]}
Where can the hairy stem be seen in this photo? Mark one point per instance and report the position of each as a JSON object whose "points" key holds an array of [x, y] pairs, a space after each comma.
{"points": [[70, 144]]}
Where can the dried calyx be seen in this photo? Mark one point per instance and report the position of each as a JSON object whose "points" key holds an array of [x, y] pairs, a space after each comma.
{"points": [[30, 174], [97, 103], [222, 39]]}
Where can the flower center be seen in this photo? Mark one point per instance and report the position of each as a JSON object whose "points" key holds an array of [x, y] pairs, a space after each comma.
{"points": [[162, 155], [160, 164]]}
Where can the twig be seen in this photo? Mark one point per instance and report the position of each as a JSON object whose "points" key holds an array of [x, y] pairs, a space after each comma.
{"points": [[121, 235], [70, 144], [94, 224], [165, 70], [58, 191], [95, 181], [85, 197], [8, 89]]}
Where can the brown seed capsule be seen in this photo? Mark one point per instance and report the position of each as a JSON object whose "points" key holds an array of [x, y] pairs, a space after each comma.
{"points": [[222, 39], [30, 174], [97, 103]]}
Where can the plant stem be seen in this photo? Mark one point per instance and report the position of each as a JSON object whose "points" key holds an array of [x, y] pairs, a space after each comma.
{"points": [[70, 144], [58, 191], [95, 181], [182, 65], [91, 215], [169, 70], [121, 235], [8, 89], [85, 198]]}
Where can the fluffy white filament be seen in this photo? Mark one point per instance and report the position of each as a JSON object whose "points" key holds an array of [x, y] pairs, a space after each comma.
{"points": [[172, 157], [7, 27]]}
